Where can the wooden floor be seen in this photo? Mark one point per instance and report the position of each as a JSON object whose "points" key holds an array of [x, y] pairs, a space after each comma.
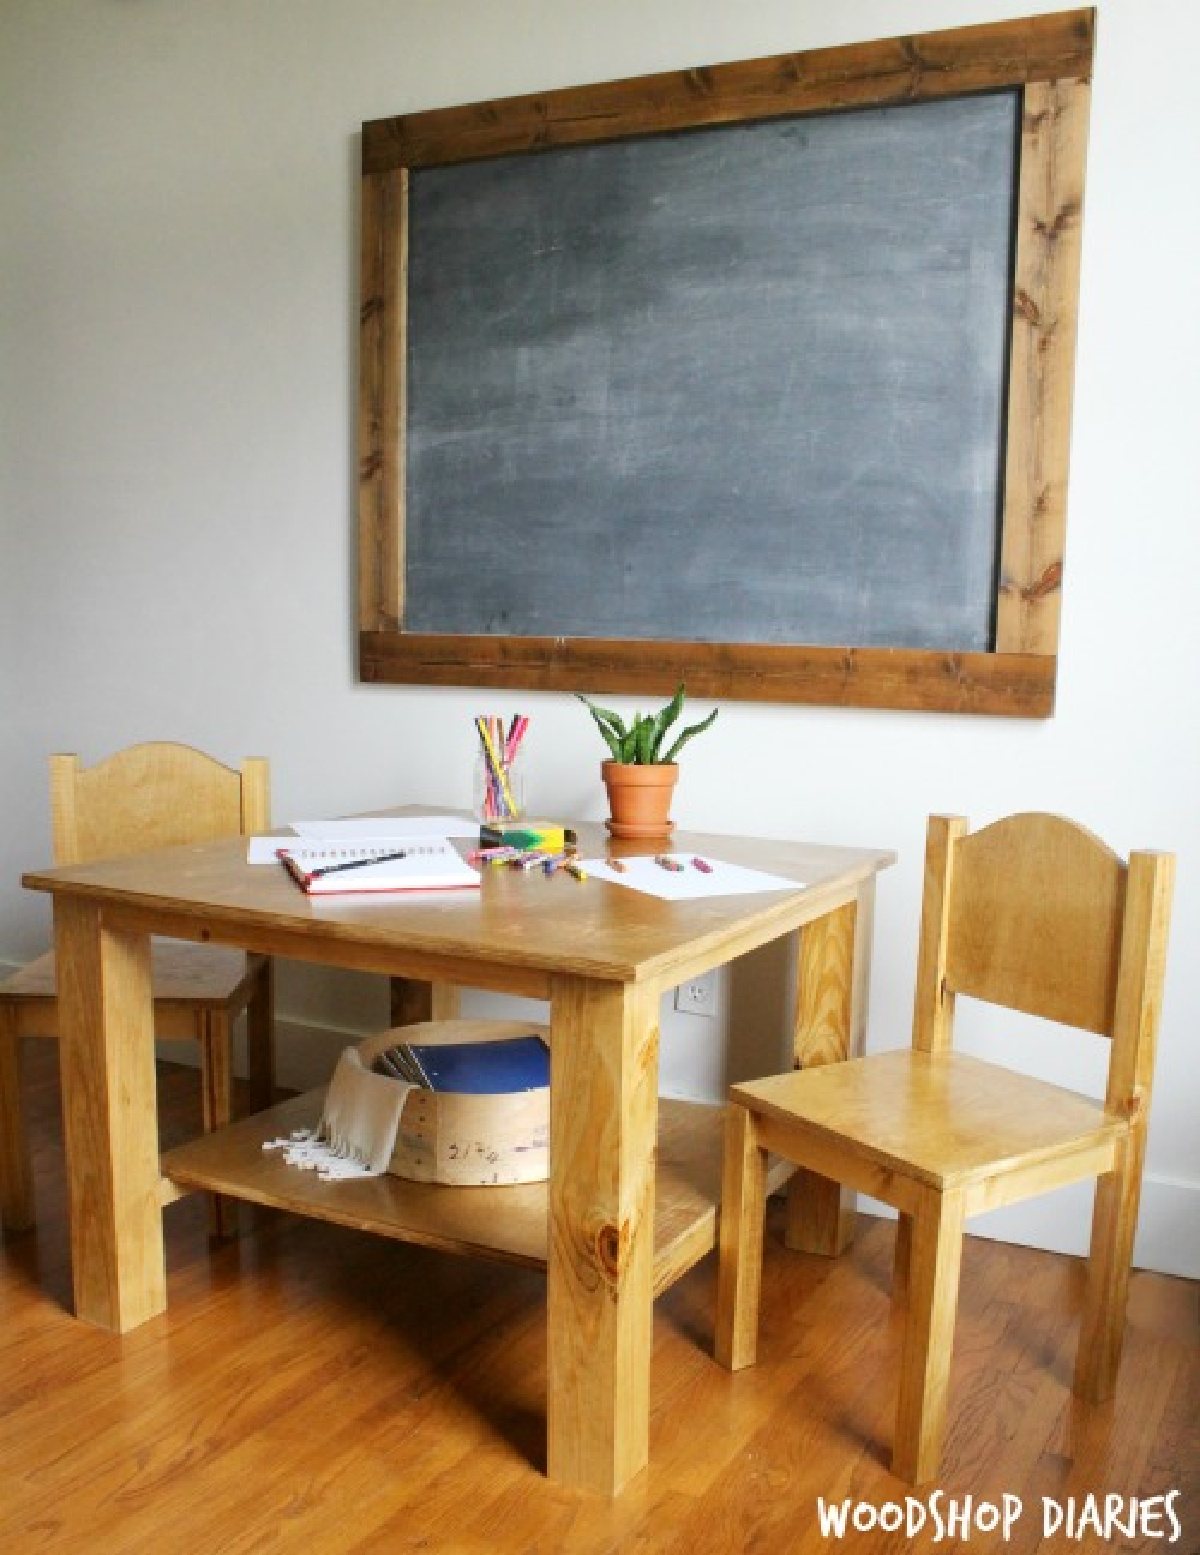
{"points": [[312, 1388]]}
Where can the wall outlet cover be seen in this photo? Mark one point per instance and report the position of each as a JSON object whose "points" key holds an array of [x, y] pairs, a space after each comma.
{"points": [[698, 995]]}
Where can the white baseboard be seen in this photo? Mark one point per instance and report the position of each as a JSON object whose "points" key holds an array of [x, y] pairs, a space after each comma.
{"points": [[1168, 1234], [307, 1054]]}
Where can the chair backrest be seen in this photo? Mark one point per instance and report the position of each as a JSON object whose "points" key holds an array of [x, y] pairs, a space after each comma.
{"points": [[153, 795], [1038, 915]]}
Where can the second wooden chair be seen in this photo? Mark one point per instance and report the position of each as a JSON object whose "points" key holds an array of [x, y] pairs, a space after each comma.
{"points": [[1035, 914], [152, 795]]}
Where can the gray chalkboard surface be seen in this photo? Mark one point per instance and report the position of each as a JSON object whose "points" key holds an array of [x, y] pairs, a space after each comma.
{"points": [[741, 384]]}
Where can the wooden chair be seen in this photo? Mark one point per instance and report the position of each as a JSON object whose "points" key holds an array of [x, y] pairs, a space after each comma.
{"points": [[1035, 914], [147, 796]]}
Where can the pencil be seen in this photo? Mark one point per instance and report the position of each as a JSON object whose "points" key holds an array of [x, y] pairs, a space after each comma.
{"points": [[496, 765]]}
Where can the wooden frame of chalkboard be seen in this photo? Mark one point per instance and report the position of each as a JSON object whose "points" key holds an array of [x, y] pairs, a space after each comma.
{"points": [[1046, 61]]}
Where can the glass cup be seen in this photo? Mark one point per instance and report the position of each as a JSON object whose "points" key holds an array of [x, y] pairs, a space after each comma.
{"points": [[498, 793]]}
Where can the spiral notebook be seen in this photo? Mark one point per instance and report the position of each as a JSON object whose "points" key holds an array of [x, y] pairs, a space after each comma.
{"points": [[324, 868]]}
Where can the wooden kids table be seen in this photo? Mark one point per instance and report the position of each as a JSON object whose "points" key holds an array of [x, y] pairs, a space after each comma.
{"points": [[618, 1221]]}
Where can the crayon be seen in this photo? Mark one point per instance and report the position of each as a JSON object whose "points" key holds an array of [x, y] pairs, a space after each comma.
{"points": [[483, 855]]}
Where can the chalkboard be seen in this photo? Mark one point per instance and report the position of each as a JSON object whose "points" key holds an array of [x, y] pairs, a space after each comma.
{"points": [[734, 385], [756, 375]]}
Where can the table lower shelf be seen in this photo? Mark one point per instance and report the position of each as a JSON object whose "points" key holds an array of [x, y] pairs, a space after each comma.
{"points": [[504, 1223]]}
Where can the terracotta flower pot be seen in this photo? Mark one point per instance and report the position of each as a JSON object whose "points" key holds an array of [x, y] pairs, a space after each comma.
{"points": [[639, 798]]}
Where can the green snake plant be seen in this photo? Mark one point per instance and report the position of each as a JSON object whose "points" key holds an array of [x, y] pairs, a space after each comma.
{"points": [[640, 741]]}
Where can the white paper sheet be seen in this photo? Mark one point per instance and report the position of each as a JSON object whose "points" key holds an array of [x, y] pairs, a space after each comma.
{"points": [[363, 830], [690, 882], [370, 827]]}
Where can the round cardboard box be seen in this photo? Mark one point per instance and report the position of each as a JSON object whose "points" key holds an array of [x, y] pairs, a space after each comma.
{"points": [[469, 1140]]}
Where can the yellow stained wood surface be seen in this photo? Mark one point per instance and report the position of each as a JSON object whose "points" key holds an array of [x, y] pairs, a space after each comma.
{"points": [[109, 1118], [934, 1263], [517, 931], [16, 1172], [147, 796], [1037, 915], [508, 1223], [154, 795], [831, 1025], [743, 1207], [183, 974], [603, 955], [946, 1119], [1034, 918]]}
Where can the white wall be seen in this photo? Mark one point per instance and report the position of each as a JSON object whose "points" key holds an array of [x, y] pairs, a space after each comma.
{"points": [[177, 296]]}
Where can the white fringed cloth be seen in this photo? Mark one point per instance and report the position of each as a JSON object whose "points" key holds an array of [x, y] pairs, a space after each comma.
{"points": [[359, 1123]]}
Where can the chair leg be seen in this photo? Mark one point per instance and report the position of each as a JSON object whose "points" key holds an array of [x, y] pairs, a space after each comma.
{"points": [[213, 1034], [260, 1038], [1114, 1221], [216, 1079], [902, 1260], [739, 1273], [16, 1174], [936, 1257]]}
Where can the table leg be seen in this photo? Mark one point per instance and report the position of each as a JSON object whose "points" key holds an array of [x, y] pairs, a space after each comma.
{"points": [[831, 1025], [600, 1276], [260, 1038], [412, 1000], [106, 1026]]}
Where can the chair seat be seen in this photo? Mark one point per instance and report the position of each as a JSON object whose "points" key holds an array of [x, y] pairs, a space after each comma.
{"points": [[984, 1116], [184, 973]]}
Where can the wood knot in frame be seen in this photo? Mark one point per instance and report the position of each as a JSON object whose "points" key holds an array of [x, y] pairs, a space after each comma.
{"points": [[1137, 1108], [597, 1252], [1065, 217], [917, 65], [1034, 123], [1049, 583], [610, 1246]]}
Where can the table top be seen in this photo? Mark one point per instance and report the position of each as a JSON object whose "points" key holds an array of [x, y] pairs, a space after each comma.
{"points": [[517, 919]]}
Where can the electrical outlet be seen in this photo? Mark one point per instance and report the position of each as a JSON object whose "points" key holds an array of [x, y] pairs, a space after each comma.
{"points": [[698, 996]]}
